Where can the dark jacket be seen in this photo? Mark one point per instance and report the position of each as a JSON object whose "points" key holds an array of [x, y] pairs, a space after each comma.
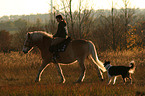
{"points": [[62, 30]]}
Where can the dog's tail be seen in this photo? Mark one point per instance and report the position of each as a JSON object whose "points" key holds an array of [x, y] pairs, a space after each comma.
{"points": [[132, 67]]}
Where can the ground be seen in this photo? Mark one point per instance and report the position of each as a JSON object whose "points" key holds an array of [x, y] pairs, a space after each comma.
{"points": [[18, 73]]}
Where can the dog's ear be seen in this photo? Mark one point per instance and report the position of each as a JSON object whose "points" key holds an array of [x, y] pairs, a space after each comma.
{"points": [[109, 62]]}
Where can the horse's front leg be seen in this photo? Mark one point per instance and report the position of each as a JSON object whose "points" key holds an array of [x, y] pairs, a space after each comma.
{"points": [[41, 69], [60, 72]]}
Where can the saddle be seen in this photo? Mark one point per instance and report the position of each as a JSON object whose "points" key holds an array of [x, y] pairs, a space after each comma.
{"points": [[61, 47]]}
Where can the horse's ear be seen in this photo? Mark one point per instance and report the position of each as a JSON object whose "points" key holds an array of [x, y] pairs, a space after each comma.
{"points": [[28, 35]]}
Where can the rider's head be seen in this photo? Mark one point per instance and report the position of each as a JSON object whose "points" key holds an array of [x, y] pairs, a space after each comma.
{"points": [[59, 18]]}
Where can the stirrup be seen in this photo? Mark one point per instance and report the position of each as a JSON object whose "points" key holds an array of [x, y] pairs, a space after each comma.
{"points": [[54, 59], [55, 56]]}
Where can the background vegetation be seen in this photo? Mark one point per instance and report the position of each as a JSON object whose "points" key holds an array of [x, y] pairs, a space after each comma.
{"points": [[109, 30]]}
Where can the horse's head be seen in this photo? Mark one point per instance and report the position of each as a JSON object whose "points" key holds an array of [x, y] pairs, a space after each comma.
{"points": [[36, 38], [28, 44]]}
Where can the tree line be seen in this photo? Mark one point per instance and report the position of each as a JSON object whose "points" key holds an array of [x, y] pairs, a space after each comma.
{"points": [[109, 30]]}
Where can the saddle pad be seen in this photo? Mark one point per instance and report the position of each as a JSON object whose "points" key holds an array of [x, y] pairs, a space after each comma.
{"points": [[61, 47]]}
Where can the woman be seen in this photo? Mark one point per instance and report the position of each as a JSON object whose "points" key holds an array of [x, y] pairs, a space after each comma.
{"points": [[62, 31], [61, 35]]}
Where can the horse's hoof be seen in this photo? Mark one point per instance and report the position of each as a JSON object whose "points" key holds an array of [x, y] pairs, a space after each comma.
{"points": [[78, 81], [102, 79], [62, 82], [37, 80]]}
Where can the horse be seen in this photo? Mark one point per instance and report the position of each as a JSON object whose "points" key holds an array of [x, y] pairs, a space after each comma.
{"points": [[77, 51]]}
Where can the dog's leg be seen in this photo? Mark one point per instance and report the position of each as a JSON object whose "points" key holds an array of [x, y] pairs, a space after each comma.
{"points": [[114, 79], [130, 78], [110, 79], [124, 79]]}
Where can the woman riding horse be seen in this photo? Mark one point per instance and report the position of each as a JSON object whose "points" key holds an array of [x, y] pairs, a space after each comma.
{"points": [[77, 50]]}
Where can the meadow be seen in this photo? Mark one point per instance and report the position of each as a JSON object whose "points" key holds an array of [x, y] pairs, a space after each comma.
{"points": [[18, 72]]}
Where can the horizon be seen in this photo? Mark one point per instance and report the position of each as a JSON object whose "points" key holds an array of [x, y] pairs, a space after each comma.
{"points": [[33, 7], [50, 12]]}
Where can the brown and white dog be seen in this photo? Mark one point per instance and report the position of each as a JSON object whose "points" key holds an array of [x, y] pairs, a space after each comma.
{"points": [[124, 71]]}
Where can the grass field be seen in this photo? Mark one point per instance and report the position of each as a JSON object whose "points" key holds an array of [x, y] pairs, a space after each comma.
{"points": [[18, 72]]}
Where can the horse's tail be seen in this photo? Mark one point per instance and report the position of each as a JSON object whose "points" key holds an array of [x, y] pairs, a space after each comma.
{"points": [[92, 50]]}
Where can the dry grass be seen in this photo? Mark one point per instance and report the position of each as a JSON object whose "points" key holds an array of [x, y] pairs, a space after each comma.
{"points": [[18, 72]]}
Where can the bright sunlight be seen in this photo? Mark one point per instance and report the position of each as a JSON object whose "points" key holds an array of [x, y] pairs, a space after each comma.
{"points": [[20, 7]]}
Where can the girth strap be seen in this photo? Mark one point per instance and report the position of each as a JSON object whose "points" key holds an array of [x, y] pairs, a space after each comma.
{"points": [[61, 47]]}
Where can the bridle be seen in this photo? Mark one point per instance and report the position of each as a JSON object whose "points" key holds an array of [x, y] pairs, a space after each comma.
{"points": [[29, 43]]}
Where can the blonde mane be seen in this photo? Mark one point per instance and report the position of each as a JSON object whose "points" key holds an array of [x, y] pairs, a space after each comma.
{"points": [[38, 35], [44, 33]]}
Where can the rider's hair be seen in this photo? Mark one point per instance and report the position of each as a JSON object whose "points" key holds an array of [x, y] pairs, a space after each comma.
{"points": [[60, 17]]}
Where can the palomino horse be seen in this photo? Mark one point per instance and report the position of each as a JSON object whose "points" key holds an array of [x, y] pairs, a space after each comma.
{"points": [[77, 50]]}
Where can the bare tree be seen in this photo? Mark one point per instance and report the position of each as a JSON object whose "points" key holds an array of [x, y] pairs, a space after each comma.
{"points": [[84, 20], [126, 20], [77, 20], [113, 30], [128, 13], [71, 17]]}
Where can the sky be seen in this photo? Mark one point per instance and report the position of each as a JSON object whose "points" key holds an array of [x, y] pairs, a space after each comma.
{"points": [[26, 7]]}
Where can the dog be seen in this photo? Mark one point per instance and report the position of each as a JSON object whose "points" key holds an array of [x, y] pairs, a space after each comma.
{"points": [[115, 71]]}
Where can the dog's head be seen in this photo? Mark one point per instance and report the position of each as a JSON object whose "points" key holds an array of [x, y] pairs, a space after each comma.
{"points": [[106, 63]]}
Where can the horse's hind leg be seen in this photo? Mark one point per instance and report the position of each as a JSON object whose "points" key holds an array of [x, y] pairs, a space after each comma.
{"points": [[42, 67], [60, 72], [83, 70], [100, 73]]}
